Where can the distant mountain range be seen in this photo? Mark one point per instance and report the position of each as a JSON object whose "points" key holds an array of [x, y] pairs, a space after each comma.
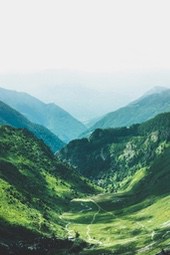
{"points": [[9, 116], [85, 95], [152, 103], [58, 121], [133, 165], [49, 206], [37, 209]]}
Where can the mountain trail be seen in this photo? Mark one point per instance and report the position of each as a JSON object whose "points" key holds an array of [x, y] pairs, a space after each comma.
{"points": [[70, 233], [85, 210], [99, 209], [93, 220]]}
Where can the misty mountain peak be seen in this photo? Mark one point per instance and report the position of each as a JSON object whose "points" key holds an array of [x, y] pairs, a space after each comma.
{"points": [[156, 90]]}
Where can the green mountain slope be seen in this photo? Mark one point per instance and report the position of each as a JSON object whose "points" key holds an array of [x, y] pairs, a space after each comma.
{"points": [[131, 222], [43, 201], [13, 118], [113, 156], [138, 111], [134, 220], [35, 188], [58, 121]]}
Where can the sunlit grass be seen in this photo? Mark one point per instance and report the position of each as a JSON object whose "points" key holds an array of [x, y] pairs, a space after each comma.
{"points": [[147, 226]]}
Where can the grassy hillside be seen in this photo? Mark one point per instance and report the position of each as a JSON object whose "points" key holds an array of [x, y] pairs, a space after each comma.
{"points": [[135, 221], [51, 116], [13, 118], [135, 162], [113, 156], [35, 188], [46, 207], [138, 111]]}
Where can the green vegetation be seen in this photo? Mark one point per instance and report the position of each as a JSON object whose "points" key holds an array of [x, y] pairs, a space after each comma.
{"points": [[138, 111], [46, 207], [13, 118], [115, 158], [51, 116], [35, 188], [131, 222], [135, 162]]}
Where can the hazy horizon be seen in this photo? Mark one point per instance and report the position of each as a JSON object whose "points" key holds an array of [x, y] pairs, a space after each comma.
{"points": [[90, 56], [86, 95]]}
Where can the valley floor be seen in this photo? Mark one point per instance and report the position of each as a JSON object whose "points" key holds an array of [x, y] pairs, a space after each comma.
{"points": [[113, 226]]}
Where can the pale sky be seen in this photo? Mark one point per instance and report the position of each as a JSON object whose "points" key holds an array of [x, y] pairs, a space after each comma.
{"points": [[86, 35], [87, 56]]}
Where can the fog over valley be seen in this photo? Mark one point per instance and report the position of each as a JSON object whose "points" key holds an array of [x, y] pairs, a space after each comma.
{"points": [[86, 95]]}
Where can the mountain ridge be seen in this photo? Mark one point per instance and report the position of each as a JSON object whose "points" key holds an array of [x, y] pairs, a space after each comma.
{"points": [[102, 156], [48, 206], [51, 201], [138, 111], [35, 190], [9, 116], [53, 117]]}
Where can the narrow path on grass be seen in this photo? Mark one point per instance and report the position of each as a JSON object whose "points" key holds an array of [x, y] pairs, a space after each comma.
{"points": [[90, 239], [88, 228], [87, 208], [70, 233]]}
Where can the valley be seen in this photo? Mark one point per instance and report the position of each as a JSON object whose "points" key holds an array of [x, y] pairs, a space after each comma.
{"points": [[35, 190], [135, 218], [106, 194], [129, 230], [84, 127]]}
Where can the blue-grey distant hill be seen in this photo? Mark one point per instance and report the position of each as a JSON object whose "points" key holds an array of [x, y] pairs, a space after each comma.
{"points": [[148, 106], [9, 116], [58, 121]]}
